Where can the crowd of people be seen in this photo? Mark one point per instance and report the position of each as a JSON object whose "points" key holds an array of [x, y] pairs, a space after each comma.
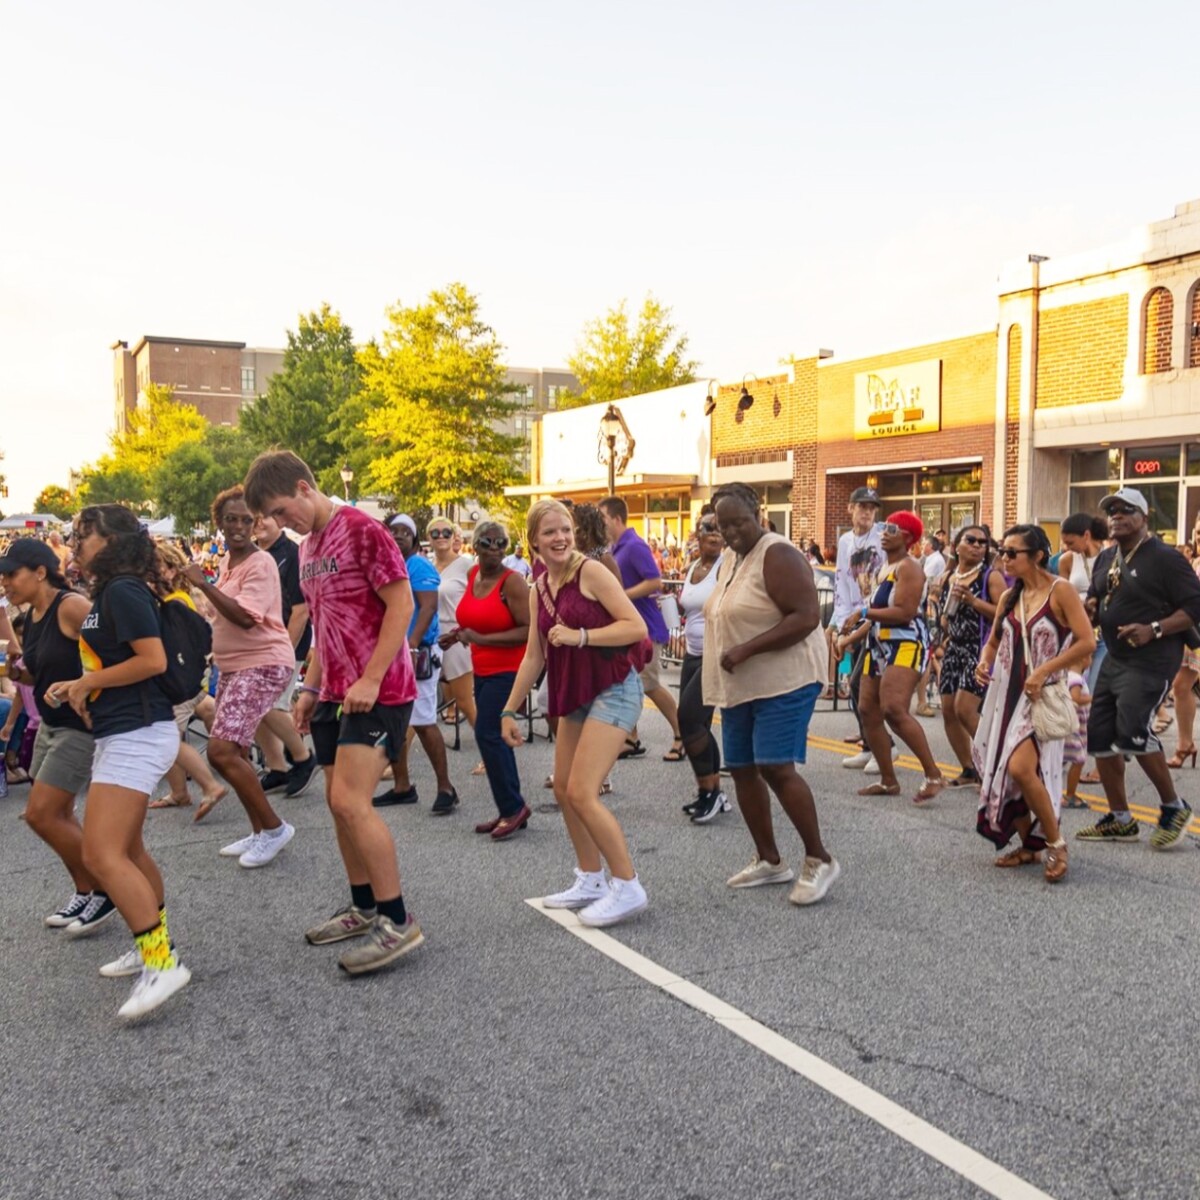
{"points": [[336, 642]]}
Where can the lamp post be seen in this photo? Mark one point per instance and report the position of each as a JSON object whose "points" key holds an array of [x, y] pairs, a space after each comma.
{"points": [[347, 477], [610, 428]]}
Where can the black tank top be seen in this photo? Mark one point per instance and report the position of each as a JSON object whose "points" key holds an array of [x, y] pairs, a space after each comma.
{"points": [[52, 657]]}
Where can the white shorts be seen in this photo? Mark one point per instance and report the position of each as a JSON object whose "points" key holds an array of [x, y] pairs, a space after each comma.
{"points": [[424, 711], [284, 703], [456, 662], [138, 759]]}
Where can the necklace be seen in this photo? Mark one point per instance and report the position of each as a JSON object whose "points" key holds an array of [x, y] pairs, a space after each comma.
{"points": [[959, 576]]}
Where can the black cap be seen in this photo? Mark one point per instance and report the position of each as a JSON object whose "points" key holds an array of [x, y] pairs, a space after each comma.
{"points": [[28, 552], [865, 495]]}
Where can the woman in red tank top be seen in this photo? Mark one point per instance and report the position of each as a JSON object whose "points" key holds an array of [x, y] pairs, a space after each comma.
{"points": [[592, 642]]}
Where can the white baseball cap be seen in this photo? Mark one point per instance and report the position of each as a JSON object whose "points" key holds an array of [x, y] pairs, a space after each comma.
{"points": [[1126, 495]]}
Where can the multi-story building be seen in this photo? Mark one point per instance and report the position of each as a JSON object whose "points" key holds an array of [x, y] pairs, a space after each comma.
{"points": [[217, 378], [539, 392]]}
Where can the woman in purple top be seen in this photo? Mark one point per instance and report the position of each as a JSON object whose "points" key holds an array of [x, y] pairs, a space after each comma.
{"points": [[592, 642]]}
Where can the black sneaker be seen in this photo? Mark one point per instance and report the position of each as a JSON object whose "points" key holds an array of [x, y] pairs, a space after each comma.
{"points": [[98, 910], [273, 781], [1172, 825], [691, 808], [389, 797], [299, 775], [1109, 829], [708, 806], [69, 911], [445, 803], [968, 777]]}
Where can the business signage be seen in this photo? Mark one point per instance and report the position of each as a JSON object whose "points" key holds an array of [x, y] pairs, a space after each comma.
{"points": [[898, 401]]}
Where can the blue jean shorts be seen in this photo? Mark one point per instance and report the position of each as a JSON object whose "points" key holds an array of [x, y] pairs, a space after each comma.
{"points": [[770, 731], [619, 705]]}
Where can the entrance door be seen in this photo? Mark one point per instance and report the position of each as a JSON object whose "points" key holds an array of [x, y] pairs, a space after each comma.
{"points": [[1191, 511]]}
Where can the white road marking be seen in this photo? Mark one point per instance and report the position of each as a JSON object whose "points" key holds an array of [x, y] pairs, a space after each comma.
{"points": [[961, 1159]]}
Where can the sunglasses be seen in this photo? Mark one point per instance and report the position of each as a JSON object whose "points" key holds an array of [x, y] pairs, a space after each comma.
{"points": [[1009, 553], [707, 529], [486, 543], [441, 534], [1121, 510], [973, 541], [890, 527]]}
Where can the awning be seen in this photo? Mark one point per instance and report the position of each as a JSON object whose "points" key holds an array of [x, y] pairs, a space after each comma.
{"points": [[625, 483]]}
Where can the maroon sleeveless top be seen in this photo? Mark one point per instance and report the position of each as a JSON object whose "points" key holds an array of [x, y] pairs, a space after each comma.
{"points": [[576, 675]]}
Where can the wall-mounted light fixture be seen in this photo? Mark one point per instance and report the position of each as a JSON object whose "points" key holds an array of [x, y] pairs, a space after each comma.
{"points": [[776, 406], [745, 400], [872, 480], [710, 401], [977, 473]]}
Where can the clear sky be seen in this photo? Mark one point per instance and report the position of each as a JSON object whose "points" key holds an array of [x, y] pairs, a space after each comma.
{"points": [[784, 175]]}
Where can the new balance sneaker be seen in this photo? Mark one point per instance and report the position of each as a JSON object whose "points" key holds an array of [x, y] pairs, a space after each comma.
{"points": [[588, 887], [152, 989], [445, 803], [300, 774], [1172, 825], [623, 898], [96, 912], [709, 805], [69, 911], [238, 848], [856, 762], [1109, 829], [347, 922], [266, 846], [130, 963], [273, 781], [385, 943], [759, 872], [815, 880]]}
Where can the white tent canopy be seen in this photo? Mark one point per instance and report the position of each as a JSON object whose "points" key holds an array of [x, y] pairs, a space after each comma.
{"points": [[28, 520]]}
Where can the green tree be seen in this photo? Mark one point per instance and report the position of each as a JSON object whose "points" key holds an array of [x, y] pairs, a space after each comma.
{"points": [[434, 397], [303, 407], [55, 500], [187, 481], [612, 360]]}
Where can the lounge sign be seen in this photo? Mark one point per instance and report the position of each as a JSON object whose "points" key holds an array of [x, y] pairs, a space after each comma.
{"points": [[898, 400]]}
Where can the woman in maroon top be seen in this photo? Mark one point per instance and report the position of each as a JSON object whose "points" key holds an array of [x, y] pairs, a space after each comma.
{"points": [[493, 619], [592, 642]]}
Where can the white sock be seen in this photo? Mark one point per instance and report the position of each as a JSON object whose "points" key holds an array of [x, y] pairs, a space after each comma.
{"points": [[1123, 818]]}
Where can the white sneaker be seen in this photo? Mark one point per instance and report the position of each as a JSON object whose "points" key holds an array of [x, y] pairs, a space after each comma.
{"points": [[872, 767], [587, 889], [856, 762], [130, 963], [759, 872], [815, 879], [152, 989], [267, 845], [624, 898], [238, 848]]}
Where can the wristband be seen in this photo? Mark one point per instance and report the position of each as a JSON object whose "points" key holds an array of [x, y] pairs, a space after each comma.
{"points": [[312, 691], [508, 712], [583, 638], [865, 609]]}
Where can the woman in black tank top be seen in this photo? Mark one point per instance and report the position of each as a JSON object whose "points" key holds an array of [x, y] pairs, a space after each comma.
{"points": [[32, 575]]}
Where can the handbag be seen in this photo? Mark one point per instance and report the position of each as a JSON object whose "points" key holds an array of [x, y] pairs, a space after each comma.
{"points": [[424, 661], [1054, 715]]}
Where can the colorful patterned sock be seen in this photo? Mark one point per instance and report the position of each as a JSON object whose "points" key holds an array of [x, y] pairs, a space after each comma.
{"points": [[155, 948]]}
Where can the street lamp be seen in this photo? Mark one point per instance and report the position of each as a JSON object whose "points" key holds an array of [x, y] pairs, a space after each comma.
{"points": [[611, 427], [347, 477]]}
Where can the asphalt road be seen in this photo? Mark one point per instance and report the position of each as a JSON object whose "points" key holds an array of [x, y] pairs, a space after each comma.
{"points": [[1049, 1029]]}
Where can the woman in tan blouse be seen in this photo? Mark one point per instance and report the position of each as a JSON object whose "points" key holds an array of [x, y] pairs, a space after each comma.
{"points": [[764, 667]]}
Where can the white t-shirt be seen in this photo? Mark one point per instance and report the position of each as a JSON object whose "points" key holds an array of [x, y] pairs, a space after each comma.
{"points": [[520, 565], [860, 558], [934, 566], [692, 598]]}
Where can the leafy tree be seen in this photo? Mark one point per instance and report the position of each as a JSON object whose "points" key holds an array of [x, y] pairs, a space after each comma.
{"points": [[612, 360], [186, 483], [433, 396], [303, 406], [108, 483], [55, 500]]}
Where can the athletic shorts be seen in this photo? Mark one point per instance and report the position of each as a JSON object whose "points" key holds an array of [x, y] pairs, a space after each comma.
{"points": [[1124, 702], [244, 698], [881, 655], [650, 672], [384, 726], [62, 758], [619, 705], [770, 731], [138, 759], [284, 703], [456, 662]]}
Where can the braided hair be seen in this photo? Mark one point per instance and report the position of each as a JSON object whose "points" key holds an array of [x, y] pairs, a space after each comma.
{"points": [[743, 493]]}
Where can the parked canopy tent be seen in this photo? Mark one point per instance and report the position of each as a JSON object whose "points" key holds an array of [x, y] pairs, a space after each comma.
{"points": [[163, 528], [24, 520]]}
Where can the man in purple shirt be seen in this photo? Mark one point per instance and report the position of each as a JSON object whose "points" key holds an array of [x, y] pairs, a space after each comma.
{"points": [[643, 582]]}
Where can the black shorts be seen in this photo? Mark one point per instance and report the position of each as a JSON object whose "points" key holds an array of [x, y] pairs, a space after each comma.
{"points": [[1123, 706], [384, 726]]}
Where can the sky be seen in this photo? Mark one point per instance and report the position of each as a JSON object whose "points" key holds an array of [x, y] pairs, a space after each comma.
{"points": [[785, 176]]}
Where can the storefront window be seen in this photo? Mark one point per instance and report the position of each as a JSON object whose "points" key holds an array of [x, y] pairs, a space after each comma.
{"points": [[1163, 519], [1087, 499], [1193, 459], [1152, 462], [1094, 465]]}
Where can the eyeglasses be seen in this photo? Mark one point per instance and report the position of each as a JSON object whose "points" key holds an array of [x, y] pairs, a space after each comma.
{"points": [[486, 543], [440, 534], [1009, 553], [973, 541], [1121, 510]]}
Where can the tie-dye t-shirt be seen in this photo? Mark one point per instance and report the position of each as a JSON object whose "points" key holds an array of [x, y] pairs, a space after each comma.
{"points": [[342, 568]]}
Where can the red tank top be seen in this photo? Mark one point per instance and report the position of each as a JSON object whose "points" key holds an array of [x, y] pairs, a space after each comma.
{"points": [[489, 614]]}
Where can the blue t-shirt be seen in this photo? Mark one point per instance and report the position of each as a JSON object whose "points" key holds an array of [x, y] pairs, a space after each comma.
{"points": [[423, 577], [636, 564]]}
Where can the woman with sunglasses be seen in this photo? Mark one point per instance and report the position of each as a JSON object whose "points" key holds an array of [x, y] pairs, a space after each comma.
{"points": [[445, 540], [897, 646], [695, 717], [972, 590], [1041, 631], [492, 619]]}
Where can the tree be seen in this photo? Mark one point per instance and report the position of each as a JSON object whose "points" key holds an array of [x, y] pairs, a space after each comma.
{"points": [[433, 397], [303, 406], [612, 361], [186, 483], [55, 500]]}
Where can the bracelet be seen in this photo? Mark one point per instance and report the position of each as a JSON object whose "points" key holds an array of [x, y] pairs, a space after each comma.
{"points": [[583, 638], [312, 691], [865, 610], [508, 712]]}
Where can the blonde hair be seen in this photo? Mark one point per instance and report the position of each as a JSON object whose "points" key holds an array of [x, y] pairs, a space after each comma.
{"points": [[171, 558], [537, 514]]}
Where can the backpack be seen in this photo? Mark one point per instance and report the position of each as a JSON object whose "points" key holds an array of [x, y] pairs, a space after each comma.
{"points": [[187, 640]]}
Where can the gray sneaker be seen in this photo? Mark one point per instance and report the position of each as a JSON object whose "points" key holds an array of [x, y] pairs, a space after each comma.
{"points": [[759, 872], [385, 942], [345, 923]]}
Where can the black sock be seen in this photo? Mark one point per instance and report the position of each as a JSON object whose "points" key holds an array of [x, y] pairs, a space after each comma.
{"points": [[393, 910], [364, 898]]}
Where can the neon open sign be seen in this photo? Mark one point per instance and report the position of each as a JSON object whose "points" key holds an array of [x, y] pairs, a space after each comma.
{"points": [[1147, 466]]}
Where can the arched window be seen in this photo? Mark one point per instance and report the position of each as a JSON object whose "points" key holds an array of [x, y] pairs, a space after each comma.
{"points": [[1193, 328], [1157, 314]]}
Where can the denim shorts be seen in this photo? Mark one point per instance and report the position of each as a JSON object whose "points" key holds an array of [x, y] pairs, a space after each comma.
{"points": [[619, 705], [769, 731], [136, 760]]}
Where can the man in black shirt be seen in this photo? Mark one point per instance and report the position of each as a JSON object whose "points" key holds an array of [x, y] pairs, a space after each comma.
{"points": [[1147, 599], [277, 731]]}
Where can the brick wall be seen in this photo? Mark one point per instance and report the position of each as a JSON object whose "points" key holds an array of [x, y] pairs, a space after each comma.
{"points": [[804, 461], [1193, 329], [1081, 352], [1012, 425], [1156, 331]]}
